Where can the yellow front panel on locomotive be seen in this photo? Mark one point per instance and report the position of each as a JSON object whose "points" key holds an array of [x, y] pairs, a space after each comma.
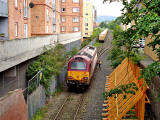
{"points": [[78, 75]]}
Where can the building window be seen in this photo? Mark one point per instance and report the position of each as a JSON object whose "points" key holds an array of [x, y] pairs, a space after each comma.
{"points": [[63, 19], [16, 3], [63, 0], [25, 9], [75, 19], [25, 30], [86, 19], [54, 28], [16, 30], [86, 13], [86, 24], [62, 28], [63, 9], [86, 33], [75, 29], [75, 1], [47, 13], [47, 2], [46, 29], [86, 28], [75, 9]]}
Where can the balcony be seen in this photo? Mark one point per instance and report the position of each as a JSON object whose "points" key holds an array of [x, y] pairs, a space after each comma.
{"points": [[3, 8]]}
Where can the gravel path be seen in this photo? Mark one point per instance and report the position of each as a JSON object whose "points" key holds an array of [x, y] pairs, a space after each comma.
{"points": [[91, 107]]}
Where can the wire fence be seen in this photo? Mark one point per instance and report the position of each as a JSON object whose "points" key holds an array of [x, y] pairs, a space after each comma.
{"points": [[36, 97]]}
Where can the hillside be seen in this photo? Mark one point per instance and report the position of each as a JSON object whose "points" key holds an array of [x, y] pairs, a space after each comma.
{"points": [[105, 18]]}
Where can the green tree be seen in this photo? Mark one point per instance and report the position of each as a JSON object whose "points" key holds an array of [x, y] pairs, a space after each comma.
{"points": [[147, 24], [103, 25]]}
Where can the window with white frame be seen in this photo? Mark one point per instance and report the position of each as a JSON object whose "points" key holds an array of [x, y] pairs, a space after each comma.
{"points": [[75, 9], [63, 28], [25, 8], [25, 30], [47, 15], [86, 19], [75, 19], [63, 9], [75, 1], [75, 29], [63, 19], [63, 0], [54, 28], [16, 3], [47, 1], [86, 28], [16, 29], [46, 29], [86, 24]]}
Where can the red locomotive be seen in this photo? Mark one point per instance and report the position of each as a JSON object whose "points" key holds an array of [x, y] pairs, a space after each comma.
{"points": [[81, 67]]}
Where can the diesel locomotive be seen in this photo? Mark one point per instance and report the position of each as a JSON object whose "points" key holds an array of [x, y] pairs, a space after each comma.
{"points": [[81, 67]]}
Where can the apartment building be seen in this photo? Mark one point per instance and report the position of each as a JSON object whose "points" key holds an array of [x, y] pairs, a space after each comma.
{"points": [[14, 19], [71, 16], [41, 17], [95, 17], [88, 18]]}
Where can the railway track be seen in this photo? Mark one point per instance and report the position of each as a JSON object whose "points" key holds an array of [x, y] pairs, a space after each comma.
{"points": [[73, 107], [62, 109]]}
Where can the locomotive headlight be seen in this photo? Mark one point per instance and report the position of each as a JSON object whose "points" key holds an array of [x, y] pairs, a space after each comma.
{"points": [[85, 78], [69, 77]]}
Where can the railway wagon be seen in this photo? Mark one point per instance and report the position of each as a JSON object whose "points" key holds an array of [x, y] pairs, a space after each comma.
{"points": [[81, 67], [103, 35]]}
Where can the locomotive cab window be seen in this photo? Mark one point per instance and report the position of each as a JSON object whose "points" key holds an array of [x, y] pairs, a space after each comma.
{"points": [[78, 66]]}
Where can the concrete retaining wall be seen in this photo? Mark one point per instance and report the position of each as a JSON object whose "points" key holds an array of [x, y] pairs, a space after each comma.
{"points": [[13, 106], [14, 52]]}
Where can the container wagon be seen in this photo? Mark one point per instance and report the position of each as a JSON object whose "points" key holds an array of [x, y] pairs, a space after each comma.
{"points": [[102, 35]]}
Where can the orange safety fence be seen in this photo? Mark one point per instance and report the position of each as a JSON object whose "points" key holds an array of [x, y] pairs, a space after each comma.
{"points": [[116, 107]]}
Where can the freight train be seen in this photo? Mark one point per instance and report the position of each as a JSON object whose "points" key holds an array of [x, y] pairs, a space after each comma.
{"points": [[81, 68], [102, 35]]}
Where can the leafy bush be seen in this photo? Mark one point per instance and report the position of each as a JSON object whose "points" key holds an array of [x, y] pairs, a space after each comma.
{"points": [[116, 56], [50, 63]]}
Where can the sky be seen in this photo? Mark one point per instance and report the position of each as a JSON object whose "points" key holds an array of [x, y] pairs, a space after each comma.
{"points": [[108, 9]]}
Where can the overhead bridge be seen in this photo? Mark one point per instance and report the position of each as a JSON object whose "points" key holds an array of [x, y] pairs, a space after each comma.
{"points": [[116, 107]]}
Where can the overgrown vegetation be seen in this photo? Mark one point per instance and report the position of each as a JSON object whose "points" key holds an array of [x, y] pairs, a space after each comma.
{"points": [[40, 113], [96, 32], [50, 63], [97, 44], [130, 88]]}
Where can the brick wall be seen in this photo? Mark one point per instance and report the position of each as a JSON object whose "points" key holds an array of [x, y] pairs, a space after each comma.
{"points": [[16, 15], [69, 14], [40, 24]]}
